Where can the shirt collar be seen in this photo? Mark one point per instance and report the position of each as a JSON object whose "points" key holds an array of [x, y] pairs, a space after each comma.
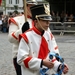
{"points": [[37, 31], [29, 17]]}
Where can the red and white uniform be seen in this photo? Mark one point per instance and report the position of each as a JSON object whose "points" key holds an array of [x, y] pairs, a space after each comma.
{"points": [[33, 48], [15, 25]]}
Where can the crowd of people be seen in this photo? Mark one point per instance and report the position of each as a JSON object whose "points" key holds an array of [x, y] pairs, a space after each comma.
{"points": [[4, 24], [56, 17], [62, 17]]}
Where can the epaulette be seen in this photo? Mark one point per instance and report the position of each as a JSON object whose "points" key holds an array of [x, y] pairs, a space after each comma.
{"points": [[11, 20], [23, 35]]}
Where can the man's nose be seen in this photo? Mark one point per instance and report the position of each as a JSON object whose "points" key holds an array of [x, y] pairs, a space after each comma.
{"points": [[48, 22]]}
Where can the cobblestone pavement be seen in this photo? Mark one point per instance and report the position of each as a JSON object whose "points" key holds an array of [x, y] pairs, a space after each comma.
{"points": [[66, 44]]}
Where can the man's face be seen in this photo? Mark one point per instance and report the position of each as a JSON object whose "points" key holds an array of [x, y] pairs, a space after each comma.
{"points": [[30, 5], [42, 24], [28, 8]]}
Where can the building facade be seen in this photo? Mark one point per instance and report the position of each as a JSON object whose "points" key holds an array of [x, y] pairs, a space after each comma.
{"points": [[9, 6]]}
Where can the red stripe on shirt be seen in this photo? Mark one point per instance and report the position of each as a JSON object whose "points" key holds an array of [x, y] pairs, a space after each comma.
{"points": [[11, 20], [0, 2], [26, 61], [51, 36], [53, 60], [56, 47], [32, 24], [43, 52], [14, 36], [24, 37]]}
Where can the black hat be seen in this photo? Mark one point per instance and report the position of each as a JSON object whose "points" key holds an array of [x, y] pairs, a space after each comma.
{"points": [[41, 11], [31, 2]]}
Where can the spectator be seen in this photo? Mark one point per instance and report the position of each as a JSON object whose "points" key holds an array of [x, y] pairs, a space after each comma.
{"points": [[0, 23], [57, 17], [62, 15], [66, 18], [71, 18], [5, 25], [53, 16]]}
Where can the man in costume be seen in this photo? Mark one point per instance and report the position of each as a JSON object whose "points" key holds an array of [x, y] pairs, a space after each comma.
{"points": [[36, 43], [17, 25]]}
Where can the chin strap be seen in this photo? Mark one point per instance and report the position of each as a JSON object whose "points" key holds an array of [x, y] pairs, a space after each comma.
{"points": [[40, 23], [59, 58]]}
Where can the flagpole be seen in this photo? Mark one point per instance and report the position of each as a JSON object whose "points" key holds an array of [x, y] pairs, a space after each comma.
{"points": [[25, 10]]}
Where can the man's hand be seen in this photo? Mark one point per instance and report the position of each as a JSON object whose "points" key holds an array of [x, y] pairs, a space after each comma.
{"points": [[25, 27], [65, 69], [48, 63]]}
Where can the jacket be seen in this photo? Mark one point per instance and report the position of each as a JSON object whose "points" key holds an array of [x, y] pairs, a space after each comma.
{"points": [[33, 48], [15, 25]]}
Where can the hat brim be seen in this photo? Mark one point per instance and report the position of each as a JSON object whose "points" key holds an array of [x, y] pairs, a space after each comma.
{"points": [[34, 3], [45, 18], [30, 2]]}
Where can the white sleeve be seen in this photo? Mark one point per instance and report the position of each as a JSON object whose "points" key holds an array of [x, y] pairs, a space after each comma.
{"points": [[54, 49], [13, 29], [24, 53], [53, 42], [55, 46]]}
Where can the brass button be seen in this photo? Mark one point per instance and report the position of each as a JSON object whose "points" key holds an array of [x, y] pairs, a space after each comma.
{"points": [[33, 52], [48, 40]]}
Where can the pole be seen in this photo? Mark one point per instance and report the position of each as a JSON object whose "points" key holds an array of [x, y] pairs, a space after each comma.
{"points": [[25, 10]]}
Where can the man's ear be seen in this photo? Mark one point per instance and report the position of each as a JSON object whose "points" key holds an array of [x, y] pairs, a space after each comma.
{"points": [[35, 22]]}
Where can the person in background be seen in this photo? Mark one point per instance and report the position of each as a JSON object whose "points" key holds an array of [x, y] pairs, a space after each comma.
{"points": [[1, 23], [36, 43], [4, 26], [53, 16], [71, 18], [57, 17], [17, 25]]}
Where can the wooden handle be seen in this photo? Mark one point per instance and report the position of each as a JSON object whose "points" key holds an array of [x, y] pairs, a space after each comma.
{"points": [[25, 10]]}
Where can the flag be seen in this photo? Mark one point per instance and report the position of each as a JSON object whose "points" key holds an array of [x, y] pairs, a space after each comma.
{"points": [[0, 2]]}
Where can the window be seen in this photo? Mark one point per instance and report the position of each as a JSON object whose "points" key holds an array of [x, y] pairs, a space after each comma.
{"points": [[20, 8], [10, 1], [17, 1]]}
